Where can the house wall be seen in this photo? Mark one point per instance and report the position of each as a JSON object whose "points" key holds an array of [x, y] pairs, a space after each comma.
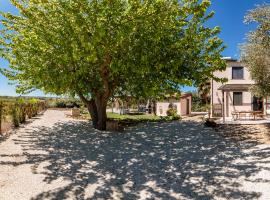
{"points": [[247, 103], [181, 106], [162, 107], [217, 94], [184, 105]]}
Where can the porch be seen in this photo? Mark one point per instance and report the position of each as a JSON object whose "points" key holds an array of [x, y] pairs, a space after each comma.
{"points": [[248, 121], [240, 106]]}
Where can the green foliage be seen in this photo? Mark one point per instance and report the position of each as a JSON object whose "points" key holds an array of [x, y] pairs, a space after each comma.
{"points": [[199, 107], [141, 118], [15, 115], [170, 118], [2, 114], [64, 103], [172, 112], [256, 51], [133, 117], [199, 104], [16, 110], [142, 47], [95, 49], [21, 106]]}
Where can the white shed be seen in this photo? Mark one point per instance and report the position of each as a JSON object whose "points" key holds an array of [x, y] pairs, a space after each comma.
{"points": [[182, 105]]}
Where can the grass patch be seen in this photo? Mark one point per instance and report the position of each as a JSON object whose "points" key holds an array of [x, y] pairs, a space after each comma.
{"points": [[142, 117], [130, 119]]}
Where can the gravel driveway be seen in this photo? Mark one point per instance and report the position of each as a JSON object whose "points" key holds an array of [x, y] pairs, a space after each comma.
{"points": [[59, 158]]}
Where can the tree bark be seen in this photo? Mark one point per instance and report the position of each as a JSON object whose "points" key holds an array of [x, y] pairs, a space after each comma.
{"points": [[97, 110], [97, 105], [101, 104], [92, 109]]}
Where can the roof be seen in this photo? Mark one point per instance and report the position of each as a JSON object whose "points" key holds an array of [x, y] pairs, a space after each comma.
{"points": [[235, 87], [229, 59], [178, 95], [185, 95]]}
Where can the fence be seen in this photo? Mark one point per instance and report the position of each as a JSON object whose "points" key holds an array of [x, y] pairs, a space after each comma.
{"points": [[15, 113]]}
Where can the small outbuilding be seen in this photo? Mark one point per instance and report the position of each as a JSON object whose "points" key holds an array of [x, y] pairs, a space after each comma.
{"points": [[182, 104]]}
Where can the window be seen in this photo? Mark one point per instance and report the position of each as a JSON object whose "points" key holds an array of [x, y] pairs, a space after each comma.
{"points": [[237, 72], [237, 98]]}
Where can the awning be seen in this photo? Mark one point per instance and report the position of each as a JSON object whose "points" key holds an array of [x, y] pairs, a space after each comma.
{"points": [[235, 87]]}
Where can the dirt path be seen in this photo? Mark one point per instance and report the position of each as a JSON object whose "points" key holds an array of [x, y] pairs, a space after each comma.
{"points": [[58, 158]]}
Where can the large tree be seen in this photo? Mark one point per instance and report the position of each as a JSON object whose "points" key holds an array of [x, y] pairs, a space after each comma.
{"points": [[97, 48], [256, 51]]}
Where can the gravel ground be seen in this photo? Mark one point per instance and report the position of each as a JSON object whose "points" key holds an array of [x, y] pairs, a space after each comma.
{"points": [[56, 157]]}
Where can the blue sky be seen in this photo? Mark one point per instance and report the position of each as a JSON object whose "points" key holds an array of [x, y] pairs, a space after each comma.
{"points": [[229, 16]]}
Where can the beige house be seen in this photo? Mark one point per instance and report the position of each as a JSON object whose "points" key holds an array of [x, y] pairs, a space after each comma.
{"points": [[182, 105], [234, 95]]}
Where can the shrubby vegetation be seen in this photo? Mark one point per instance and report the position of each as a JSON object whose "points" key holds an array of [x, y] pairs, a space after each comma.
{"points": [[64, 103], [199, 104], [172, 113], [16, 111], [131, 119], [256, 51]]}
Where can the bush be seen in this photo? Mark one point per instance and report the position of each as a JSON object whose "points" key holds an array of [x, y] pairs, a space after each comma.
{"points": [[65, 104], [2, 114], [176, 117], [171, 118], [61, 104], [22, 113], [15, 115], [172, 113], [17, 110]]}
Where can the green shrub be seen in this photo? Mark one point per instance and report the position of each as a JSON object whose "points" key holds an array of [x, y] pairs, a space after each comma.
{"points": [[22, 112], [2, 114], [172, 113], [171, 118], [176, 117], [15, 115], [61, 104]]}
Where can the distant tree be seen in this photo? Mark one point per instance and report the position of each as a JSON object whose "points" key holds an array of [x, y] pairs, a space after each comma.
{"points": [[256, 51], [204, 89], [94, 49]]}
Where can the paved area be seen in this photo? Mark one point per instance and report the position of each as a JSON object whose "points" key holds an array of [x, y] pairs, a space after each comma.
{"points": [[59, 158]]}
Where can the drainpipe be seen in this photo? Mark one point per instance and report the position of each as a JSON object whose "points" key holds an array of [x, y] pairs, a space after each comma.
{"points": [[223, 107], [212, 97]]}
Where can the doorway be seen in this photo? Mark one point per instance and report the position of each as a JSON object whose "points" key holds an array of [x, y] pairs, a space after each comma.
{"points": [[188, 108]]}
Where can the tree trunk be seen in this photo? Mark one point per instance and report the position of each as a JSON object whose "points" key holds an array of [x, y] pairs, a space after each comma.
{"points": [[101, 104], [92, 109], [97, 109]]}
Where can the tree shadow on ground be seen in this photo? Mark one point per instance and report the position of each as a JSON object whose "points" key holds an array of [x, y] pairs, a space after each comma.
{"points": [[179, 160]]}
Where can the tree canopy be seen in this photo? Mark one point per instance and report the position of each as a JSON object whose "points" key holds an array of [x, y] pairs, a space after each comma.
{"points": [[97, 48], [256, 51]]}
